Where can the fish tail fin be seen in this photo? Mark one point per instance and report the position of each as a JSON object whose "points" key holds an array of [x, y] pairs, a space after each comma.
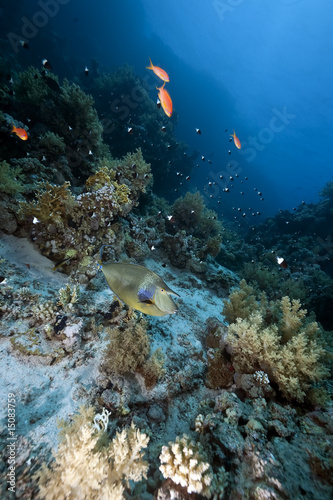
{"points": [[233, 135], [151, 65], [14, 128], [160, 88]]}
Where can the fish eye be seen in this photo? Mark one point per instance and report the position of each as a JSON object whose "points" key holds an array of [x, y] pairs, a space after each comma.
{"points": [[162, 290]]}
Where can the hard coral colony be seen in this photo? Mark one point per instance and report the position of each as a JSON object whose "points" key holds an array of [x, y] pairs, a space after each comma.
{"points": [[222, 391]]}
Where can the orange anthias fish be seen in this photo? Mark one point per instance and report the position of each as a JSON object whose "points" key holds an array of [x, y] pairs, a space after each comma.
{"points": [[165, 99], [236, 140], [163, 75], [20, 132]]}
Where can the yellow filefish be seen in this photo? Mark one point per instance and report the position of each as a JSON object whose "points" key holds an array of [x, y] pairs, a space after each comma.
{"points": [[140, 288]]}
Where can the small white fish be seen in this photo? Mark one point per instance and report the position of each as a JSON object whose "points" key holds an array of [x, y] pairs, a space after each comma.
{"points": [[169, 217], [282, 262], [35, 220]]}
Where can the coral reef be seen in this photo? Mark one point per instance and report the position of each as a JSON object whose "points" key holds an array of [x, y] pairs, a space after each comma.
{"points": [[9, 179], [282, 343], [82, 468], [31, 88], [66, 226], [241, 303], [52, 144], [190, 214], [132, 109], [303, 238], [128, 351], [245, 407], [191, 233], [128, 348], [186, 464]]}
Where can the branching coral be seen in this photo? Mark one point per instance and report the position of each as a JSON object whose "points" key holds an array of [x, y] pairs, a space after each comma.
{"points": [[327, 191], [185, 463], [84, 469], [51, 205], [68, 226], [192, 233], [289, 350], [241, 303], [68, 296], [103, 176], [275, 283], [133, 171], [102, 179]]}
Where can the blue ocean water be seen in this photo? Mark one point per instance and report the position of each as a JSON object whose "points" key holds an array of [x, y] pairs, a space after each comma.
{"points": [[262, 68]]}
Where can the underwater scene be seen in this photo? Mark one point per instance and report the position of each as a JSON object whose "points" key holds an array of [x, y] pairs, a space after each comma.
{"points": [[166, 250]]}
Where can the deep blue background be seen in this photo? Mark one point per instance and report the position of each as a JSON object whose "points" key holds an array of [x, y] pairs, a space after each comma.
{"points": [[232, 64]]}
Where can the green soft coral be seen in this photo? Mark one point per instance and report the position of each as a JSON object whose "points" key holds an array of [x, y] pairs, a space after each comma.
{"points": [[31, 88], [9, 183], [191, 214], [52, 144], [78, 111]]}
